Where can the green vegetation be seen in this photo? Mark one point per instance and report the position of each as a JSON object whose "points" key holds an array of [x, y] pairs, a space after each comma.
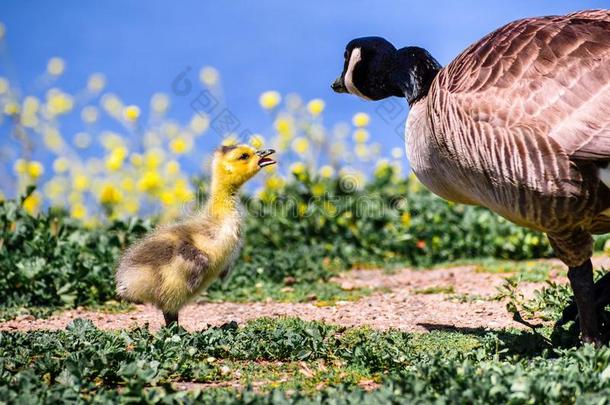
{"points": [[292, 361], [295, 243], [293, 234]]}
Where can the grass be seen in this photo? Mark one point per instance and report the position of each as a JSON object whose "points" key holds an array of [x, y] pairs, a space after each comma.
{"points": [[437, 289], [323, 293], [292, 361], [525, 270]]}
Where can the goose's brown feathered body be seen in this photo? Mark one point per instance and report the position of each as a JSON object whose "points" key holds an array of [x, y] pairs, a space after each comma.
{"points": [[520, 123]]}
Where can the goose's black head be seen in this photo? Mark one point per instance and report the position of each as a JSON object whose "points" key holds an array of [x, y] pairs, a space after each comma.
{"points": [[374, 69]]}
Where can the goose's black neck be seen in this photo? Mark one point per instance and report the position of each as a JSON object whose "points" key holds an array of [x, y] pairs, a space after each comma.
{"points": [[413, 73]]}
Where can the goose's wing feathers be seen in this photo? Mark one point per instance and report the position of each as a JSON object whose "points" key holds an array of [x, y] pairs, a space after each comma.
{"points": [[550, 74]]}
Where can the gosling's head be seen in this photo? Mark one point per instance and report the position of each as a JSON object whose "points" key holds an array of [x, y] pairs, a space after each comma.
{"points": [[234, 165]]}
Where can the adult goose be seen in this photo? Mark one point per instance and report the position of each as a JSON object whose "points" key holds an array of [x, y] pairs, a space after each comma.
{"points": [[519, 123]]}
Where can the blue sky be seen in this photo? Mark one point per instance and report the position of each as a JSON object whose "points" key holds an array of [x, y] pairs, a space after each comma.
{"points": [[257, 45]]}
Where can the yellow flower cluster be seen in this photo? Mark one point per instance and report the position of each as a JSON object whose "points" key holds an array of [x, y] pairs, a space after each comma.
{"points": [[144, 166]]}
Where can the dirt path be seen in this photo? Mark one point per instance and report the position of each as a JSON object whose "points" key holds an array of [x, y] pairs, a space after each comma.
{"points": [[402, 306]]}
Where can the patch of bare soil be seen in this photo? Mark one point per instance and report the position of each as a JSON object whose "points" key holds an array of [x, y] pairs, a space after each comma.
{"points": [[401, 305]]}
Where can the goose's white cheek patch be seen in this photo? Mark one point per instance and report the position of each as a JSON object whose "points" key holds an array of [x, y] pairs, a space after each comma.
{"points": [[348, 79]]}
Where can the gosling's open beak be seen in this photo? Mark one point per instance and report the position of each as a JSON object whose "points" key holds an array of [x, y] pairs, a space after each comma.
{"points": [[338, 85], [264, 159]]}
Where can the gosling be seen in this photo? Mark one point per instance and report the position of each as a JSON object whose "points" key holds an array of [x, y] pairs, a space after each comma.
{"points": [[174, 263]]}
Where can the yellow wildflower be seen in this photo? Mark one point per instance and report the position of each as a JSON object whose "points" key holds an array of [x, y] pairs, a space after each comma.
{"points": [[61, 165], [167, 197], [111, 140], [136, 159], [20, 166], [153, 158], [199, 123], [230, 140], [32, 203], [11, 108], [75, 197], [327, 171], [56, 66], [114, 162], [317, 189], [89, 114], [55, 188], [209, 76], [30, 105], [172, 167], [150, 181], [283, 125], [180, 145], [35, 169], [361, 135], [127, 184], [82, 140], [58, 102], [4, 86], [131, 206], [53, 139], [131, 113], [96, 82], [182, 191], [110, 194], [257, 141], [159, 102], [396, 153], [300, 145], [361, 119], [274, 182], [298, 168], [78, 211], [405, 218], [362, 151], [80, 182], [315, 106], [270, 99], [112, 104]]}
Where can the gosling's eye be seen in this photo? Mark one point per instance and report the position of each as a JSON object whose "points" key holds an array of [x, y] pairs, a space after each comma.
{"points": [[244, 156]]}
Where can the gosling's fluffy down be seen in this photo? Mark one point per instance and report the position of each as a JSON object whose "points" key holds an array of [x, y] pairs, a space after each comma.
{"points": [[174, 263]]}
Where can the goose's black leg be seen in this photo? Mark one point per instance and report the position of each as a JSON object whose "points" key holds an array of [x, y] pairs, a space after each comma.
{"points": [[581, 280], [602, 299], [170, 318]]}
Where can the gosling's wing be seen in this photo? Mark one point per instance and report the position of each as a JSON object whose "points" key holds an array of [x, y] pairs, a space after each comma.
{"points": [[151, 251], [197, 264], [549, 75]]}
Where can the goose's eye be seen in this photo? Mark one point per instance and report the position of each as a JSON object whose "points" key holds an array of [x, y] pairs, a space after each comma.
{"points": [[345, 55], [244, 156]]}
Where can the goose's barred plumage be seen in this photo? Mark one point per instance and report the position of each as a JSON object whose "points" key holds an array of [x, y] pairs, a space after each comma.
{"points": [[519, 123]]}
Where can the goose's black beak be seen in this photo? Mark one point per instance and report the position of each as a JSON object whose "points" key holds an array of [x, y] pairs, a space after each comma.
{"points": [[264, 159], [338, 85]]}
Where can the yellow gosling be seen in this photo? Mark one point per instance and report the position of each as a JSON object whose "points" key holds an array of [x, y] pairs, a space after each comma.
{"points": [[174, 263]]}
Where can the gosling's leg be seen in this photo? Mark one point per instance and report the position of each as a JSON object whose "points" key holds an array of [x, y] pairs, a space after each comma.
{"points": [[170, 318], [581, 280]]}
